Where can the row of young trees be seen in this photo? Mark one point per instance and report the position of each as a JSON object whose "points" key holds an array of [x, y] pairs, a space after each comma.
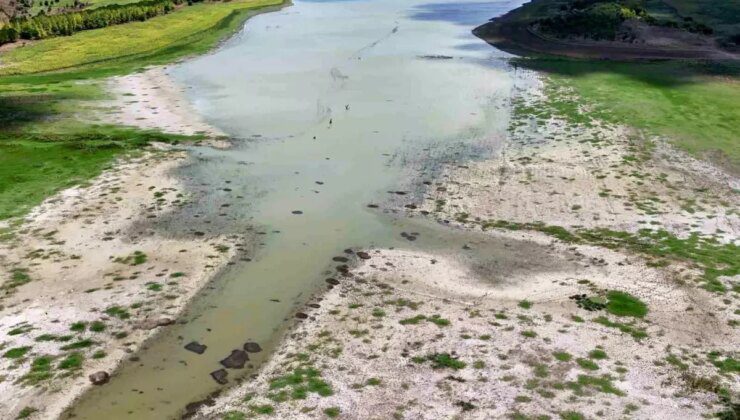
{"points": [[43, 26]]}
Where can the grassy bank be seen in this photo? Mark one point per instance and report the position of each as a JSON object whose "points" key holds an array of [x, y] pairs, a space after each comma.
{"points": [[34, 167], [693, 105], [44, 86]]}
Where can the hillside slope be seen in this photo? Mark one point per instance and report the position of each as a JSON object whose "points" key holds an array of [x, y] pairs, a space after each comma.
{"points": [[619, 29]]}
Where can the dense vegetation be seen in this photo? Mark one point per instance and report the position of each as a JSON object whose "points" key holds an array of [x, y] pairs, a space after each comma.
{"points": [[602, 19], [42, 26], [591, 18]]}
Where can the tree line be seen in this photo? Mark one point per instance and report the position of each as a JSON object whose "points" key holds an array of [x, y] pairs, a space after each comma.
{"points": [[48, 26]]}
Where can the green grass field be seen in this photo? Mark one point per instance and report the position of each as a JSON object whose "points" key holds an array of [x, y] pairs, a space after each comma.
{"points": [[189, 30], [694, 106], [43, 147]]}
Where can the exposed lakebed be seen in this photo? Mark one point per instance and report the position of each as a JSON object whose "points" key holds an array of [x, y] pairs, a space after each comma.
{"points": [[334, 105]]}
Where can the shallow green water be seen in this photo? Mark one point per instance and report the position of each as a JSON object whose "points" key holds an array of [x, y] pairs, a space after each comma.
{"points": [[333, 103]]}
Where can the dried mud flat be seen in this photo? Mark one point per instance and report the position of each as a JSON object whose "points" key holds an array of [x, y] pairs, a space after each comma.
{"points": [[409, 334], [152, 100], [88, 277]]}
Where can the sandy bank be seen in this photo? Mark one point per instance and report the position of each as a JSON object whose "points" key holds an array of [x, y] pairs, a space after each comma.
{"points": [[87, 277], [597, 176], [367, 342], [153, 100], [99, 282]]}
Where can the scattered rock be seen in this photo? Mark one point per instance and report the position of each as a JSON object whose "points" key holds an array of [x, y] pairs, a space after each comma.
{"points": [[301, 315], [364, 255], [192, 408], [340, 259], [252, 347], [99, 378], [235, 360], [332, 281], [196, 347], [220, 376], [150, 324]]}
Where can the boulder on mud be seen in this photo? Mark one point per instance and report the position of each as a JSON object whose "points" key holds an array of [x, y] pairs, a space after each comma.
{"points": [[235, 360], [252, 347], [196, 347], [99, 378], [220, 376]]}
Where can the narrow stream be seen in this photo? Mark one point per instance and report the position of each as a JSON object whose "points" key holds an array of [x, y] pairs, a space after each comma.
{"points": [[334, 103]]}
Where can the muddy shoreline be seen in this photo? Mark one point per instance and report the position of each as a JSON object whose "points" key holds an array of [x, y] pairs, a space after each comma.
{"points": [[494, 336], [90, 238]]}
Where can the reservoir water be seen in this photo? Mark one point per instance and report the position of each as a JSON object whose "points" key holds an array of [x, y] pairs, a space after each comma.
{"points": [[332, 104]]}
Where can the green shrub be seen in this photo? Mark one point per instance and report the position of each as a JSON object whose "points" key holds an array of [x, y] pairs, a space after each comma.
{"points": [[624, 304]]}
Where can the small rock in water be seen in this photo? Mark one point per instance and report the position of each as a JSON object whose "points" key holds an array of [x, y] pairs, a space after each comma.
{"points": [[410, 236], [252, 347], [348, 251], [99, 378], [332, 281], [340, 259], [196, 347], [235, 360], [220, 376], [301, 315], [364, 255], [297, 212]]}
